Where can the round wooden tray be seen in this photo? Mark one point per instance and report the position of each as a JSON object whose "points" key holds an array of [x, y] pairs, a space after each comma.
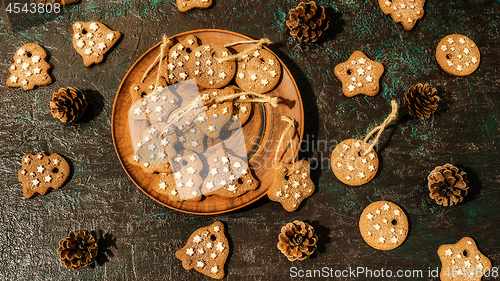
{"points": [[262, 132]]}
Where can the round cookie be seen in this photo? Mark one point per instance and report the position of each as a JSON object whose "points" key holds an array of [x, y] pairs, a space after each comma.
{"points": [[176, 69], [349, 166], [206, 70], [258, 72], [458, 55], [383, 225]]}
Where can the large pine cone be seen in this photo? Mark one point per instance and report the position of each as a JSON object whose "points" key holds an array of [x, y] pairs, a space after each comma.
{"points": [[421, 100], [77, 250], [297, 241], [68, 104], [448, 185], [307, 21]]}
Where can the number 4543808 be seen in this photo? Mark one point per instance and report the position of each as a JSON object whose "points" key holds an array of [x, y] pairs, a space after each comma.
{"points": [[33, 8], [471, 272]]}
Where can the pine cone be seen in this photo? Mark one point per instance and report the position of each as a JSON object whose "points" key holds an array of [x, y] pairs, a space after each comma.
{"points": [[77, 250], [448, 185], [297, 241], [307, 21], [421, 100], [68, 104]]}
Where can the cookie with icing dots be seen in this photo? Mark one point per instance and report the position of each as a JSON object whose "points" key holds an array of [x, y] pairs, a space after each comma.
{"points": [[175, 69], [208, 72], [92, 40], [151, 153], [354, 162], [407, 12], [39, 173], [258, 72], [206, 251], [155, 106], [139, 90], [30, 68], [458, 55], [462, 261], [186, 5], [185, 181], [359, 75], [241, 110], [215, 118], [383, 225], [188, 134], [292, 184], [228, 176]]}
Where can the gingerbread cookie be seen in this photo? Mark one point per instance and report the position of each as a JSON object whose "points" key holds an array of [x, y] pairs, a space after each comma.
{"points": [[215, 118], [407, 12], [30, 68], [206, 251], [259, 72], [188, 134], [140, 90], [228, 176], [151, 153], [208, 72], [39, 173], [186, 5], [458, 55], [359, 75], [462, 261], [178, 56], [186, 168], [292, 184], [92, 40], [241, 111], [154, 107], [350, 165], [383, 225]]}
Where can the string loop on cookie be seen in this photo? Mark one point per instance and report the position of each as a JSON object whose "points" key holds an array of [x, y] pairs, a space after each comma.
{"points": [[290, 131], [381, 128], [162, 54], [158, 58], [273, 101], [258, 45]]}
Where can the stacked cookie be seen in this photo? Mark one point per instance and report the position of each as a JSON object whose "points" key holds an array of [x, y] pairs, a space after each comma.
{"points": [[188, 135]]}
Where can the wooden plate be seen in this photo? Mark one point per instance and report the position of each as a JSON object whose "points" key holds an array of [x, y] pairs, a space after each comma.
{"points": [[262, 132]]}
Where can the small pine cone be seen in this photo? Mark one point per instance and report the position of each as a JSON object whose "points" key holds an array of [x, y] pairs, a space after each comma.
{"points": [[307, 21], [297, 241], [77, 250], [447, 185], [421, 100], [68, 104]]}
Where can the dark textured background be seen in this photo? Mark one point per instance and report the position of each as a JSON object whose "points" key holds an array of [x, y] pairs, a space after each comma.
{"points": [[139, 237]]}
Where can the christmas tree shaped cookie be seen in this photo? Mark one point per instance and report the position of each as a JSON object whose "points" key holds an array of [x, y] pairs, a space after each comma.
{"points": [[92, 40], [206, 251], [29, 68]]}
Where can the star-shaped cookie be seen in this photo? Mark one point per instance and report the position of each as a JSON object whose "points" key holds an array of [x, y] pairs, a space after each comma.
{"points": [[359, 75]]}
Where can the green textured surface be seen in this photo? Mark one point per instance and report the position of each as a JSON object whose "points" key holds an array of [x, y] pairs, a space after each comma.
{"points": [[141, 236]]}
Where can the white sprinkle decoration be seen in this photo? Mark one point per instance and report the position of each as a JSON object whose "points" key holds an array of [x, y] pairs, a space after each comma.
{"points": [[110, 36], [35, 59], [94, 26]]}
